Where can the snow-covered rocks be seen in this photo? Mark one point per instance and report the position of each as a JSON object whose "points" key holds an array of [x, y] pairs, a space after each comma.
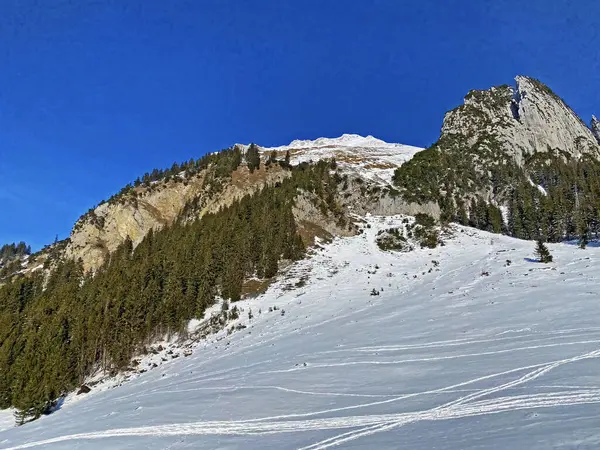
{"points": [[366, 157]]}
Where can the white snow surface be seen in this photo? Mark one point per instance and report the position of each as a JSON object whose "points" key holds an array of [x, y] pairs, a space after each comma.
{"points": [[467, 352], [368, 157]]}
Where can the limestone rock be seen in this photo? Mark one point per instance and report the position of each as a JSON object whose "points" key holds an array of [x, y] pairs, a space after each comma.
{"points": [[97, 235], [595, 126], [524, 119]]}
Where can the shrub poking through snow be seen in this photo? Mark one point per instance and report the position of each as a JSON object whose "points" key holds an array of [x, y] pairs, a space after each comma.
{"points": [[420, 232]]}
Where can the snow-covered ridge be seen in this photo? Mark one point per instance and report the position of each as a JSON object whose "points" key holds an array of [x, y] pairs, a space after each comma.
{"points": [[367, 157], [345, 140]]}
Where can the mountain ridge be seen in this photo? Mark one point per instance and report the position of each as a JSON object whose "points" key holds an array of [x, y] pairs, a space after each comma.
{"points": [[175, 242], [501, 126]]}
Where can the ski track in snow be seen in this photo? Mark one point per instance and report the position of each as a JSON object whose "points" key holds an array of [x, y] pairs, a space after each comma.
{"points": [[500, 389], [460, 408]]}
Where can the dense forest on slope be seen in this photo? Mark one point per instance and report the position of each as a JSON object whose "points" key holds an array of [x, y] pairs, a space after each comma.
{"points": [[553, 196], [56, 329]]}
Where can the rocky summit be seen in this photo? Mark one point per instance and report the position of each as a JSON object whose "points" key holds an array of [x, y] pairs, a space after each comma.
{"points": [[524, 119]]}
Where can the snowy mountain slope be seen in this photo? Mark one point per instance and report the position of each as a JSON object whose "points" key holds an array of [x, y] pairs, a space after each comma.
{"points": [[368, 157], [469, 351]]}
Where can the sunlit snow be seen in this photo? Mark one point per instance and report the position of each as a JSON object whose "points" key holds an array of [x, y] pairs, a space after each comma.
{"points": [[367, 157], [472, 345]]}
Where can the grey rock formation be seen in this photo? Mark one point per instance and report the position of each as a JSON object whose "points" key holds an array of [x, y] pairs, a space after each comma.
{"points": [[524, 119], [94, 238], [595, 126]]}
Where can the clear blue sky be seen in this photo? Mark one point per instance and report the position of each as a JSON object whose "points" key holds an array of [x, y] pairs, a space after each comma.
{"points": [[94, 93]]}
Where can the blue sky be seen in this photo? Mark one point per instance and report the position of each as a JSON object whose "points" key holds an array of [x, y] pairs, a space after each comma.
{"points": [[94, 93]]}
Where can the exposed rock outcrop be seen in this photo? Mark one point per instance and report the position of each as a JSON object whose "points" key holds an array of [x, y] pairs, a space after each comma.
{"points": [[524, 119], [100, 233], [595, 126]]}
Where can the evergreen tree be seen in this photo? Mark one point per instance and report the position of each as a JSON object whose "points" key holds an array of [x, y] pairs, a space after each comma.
{"points": [[253, 158], [542, 252], [583, 241]]}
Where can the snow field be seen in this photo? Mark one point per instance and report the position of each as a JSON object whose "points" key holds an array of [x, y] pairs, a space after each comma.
{"points": [[460, 349]]}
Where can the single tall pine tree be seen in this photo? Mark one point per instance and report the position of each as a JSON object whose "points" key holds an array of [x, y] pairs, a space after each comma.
{"points": [[583, 241], [253, 157], [542, 252]]}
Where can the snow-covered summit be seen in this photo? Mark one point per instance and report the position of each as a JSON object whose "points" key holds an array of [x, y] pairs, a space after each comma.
{"points": [[345, 140], [367, 157]]}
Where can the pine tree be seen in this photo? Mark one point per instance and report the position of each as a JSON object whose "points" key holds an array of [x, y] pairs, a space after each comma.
{"points": [[583, 241], [253, 157], [542, 252]]}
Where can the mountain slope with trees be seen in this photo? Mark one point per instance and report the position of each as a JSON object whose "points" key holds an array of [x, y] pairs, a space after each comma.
{"points": [[157, 254], [57, 328], [521, 150]]}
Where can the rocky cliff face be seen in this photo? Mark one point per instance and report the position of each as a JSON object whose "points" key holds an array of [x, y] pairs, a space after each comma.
{"points": [[595, 126], [524, 119], [100, 233]]}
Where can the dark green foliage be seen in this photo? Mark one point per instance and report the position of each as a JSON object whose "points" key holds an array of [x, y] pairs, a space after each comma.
{"points": [[253, 158], [11, 258], [54, 333], [458, 177], [542, 252], [583, 241], [427, 236], [12, 251], [423, 230], [272, 158], [425, 220], [392, 239]]}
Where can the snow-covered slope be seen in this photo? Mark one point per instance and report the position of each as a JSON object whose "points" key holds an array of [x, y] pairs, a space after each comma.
{"points": [[368, 157], [460, 349]]}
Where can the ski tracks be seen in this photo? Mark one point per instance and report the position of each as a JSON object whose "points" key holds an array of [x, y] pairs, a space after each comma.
{"points": [[359, 426]]}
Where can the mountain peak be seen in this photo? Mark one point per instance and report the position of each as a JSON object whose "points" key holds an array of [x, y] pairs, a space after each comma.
{"points": [[367, 157], [524, 119], [345, 140]]}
